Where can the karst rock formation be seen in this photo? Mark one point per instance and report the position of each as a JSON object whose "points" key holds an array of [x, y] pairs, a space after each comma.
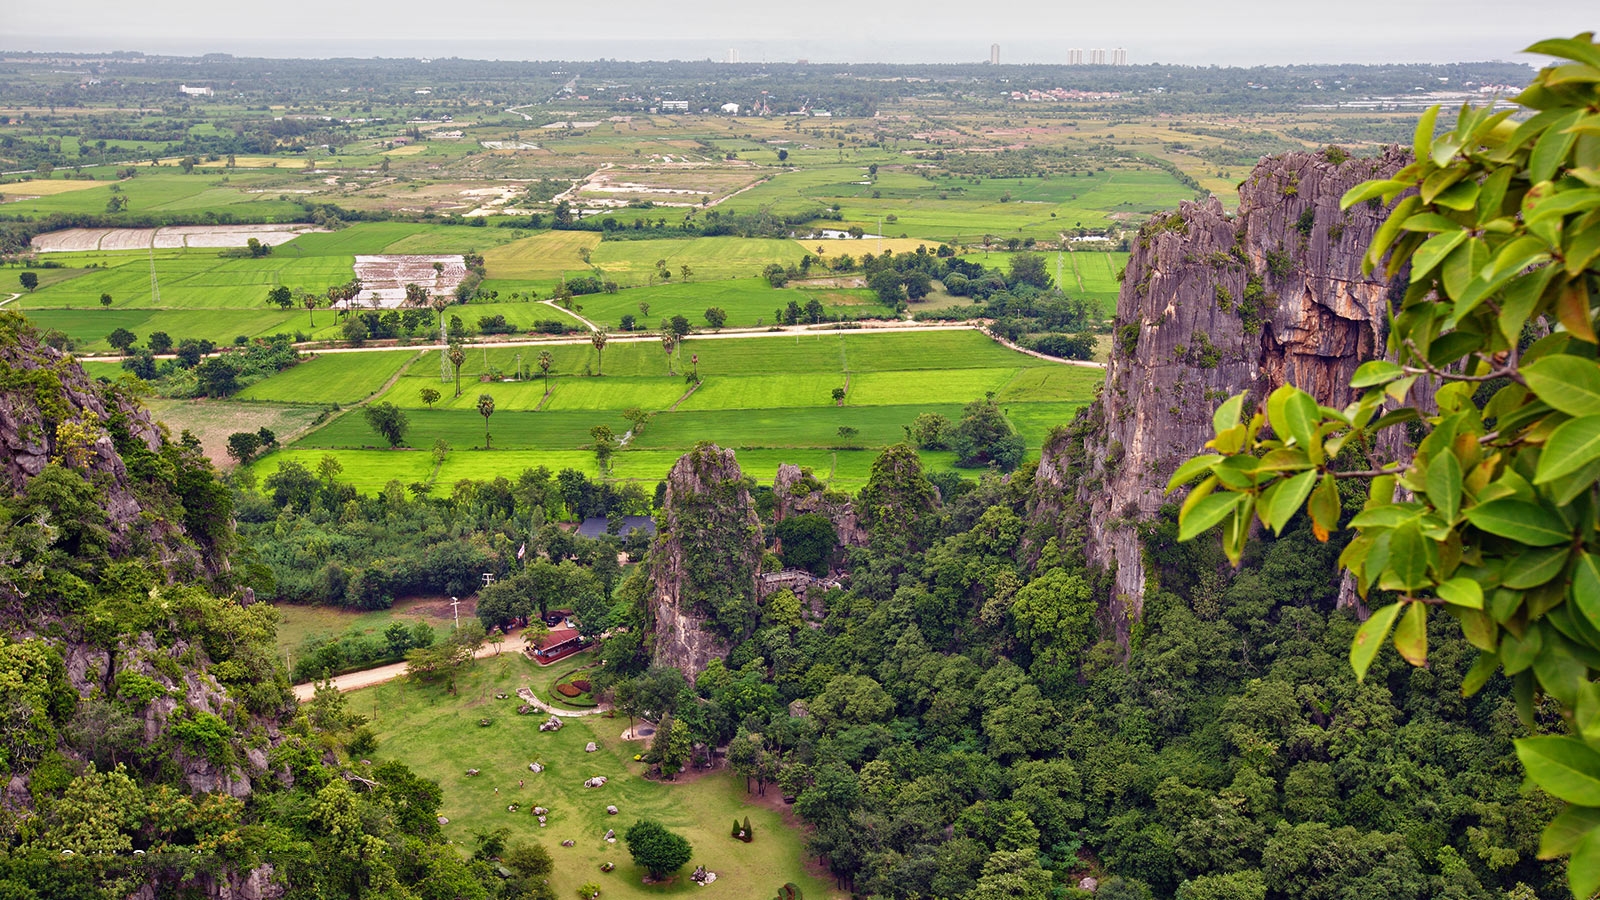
{"points": [[1214, 304], [704, 562]]}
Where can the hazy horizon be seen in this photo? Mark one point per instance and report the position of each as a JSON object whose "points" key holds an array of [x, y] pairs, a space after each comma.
{"points": [[1223, 33]]}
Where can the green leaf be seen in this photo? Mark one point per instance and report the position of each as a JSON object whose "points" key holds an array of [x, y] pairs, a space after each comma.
{"points": [[1482, 670], [1461, 591], [1565, 767], [1568, 383], [1411, 635], [1408, 556], [1520, 521], [1568, 48], [1551, 150], [1227, 415], [1444, 485], [1567, 830], [1286, 500], [1518, 653], [1583, 867], [1422, 138], [1377, 371], [1586, 587], [1369, 637], [1191, 468], [1301, 420], [1433, 252], [1573, 445], [1207, 513], [1366, 190], [1534, 567], [1324, 507]]}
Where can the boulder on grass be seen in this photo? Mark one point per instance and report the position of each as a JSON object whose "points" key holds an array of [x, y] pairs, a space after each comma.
{"points": [[611, 810], [590, 747], [595, 782], [535, 768]]}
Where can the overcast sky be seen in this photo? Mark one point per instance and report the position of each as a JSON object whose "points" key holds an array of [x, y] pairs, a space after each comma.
{"points": [[1203, 32]]}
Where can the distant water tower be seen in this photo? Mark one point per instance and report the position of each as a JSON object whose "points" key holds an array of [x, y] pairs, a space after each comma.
{"points": [[994, 54]]}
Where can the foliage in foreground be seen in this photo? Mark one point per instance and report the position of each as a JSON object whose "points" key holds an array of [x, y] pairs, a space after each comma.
{"points": [[1498, 524]]}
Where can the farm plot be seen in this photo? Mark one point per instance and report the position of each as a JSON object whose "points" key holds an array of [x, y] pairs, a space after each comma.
{"points": [[543, 256], [384, 278], [332, 378], [746, 302], [633, 262], [171, 237]]}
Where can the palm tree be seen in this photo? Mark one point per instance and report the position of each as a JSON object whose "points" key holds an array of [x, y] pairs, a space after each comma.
{"points": [[485, 409], [310, 301], [669, 342], [598, 338], [457, 357], [545, 362]]}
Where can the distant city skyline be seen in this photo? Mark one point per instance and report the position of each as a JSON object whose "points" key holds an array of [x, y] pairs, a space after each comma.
{"points": [[1216, 32]]}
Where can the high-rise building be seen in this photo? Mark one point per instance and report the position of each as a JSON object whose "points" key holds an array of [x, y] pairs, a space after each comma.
{"points": [[1097, 57], [994, 54], [733, 55], [1119, 57], [1075, 57]]}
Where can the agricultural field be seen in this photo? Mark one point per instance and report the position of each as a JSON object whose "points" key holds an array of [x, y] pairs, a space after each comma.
{"points": [[439, 737], [770, 398]]}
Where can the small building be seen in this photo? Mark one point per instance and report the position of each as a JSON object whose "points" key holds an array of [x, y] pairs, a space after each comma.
{"points": [[188, 91], [672, 106], [731, 109], [599, 526], [559, 643]]}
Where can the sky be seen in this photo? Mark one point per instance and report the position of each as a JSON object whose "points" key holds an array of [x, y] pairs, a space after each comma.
{"points": [[1192, 32]]}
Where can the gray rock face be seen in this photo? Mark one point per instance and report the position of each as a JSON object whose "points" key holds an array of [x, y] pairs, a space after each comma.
{"points": [[1212, 305], [704, 562], [798, 494]]}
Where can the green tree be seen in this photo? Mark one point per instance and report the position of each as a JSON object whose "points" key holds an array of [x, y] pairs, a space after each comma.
{"points": [[605, 445], [808, 541], [1029, 269], [243, 445], [716, 316], [457, 355], [310, 301], [655, 849], [1496, 226], [281, 296], [838, 395], [985, 437], [105, 301], [545, 362], [485, 409], [29, 280], [388, 420], [160, 342], [121, 339], [429, 396], [598, 338]]}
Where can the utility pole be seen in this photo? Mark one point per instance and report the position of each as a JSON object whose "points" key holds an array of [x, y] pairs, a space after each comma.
{"points": [[455, 606]]}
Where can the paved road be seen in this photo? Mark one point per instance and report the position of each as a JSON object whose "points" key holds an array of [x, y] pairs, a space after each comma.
{"points": [[354, 681], [651, 337]]}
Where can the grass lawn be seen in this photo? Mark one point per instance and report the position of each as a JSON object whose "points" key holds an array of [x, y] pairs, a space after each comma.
{"points": [[438, 736], [212, 421], [297, 623]]}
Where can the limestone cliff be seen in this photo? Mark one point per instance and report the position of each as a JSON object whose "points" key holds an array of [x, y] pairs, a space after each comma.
{"points": [[112, 558], [1211, 305], [704, 562], [799, 492]]}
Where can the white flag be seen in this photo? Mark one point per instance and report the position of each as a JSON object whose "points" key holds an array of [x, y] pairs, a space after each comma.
{"points": [[521, 550]]}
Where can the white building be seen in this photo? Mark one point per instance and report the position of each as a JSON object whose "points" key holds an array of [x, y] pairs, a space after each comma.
{"points": [[994, 54], [668, 106], [187, 91], [1119, 57], [733, 55], [1097, 57], [1075, 56], [731, 109]]}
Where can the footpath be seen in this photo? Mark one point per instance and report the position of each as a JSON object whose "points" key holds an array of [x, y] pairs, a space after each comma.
{"points": [[355, 681]]}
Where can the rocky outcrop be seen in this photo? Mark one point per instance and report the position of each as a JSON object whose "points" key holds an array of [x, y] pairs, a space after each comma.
{"points": [[1213, 304], [704, 561], [51, 410], [798, 492]]}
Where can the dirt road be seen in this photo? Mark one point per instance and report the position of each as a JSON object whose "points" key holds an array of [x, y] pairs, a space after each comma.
{"points": [[354, 681]]}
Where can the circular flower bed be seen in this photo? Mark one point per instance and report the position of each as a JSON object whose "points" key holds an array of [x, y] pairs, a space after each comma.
{"points": [[582, 685], [569, 690]]}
